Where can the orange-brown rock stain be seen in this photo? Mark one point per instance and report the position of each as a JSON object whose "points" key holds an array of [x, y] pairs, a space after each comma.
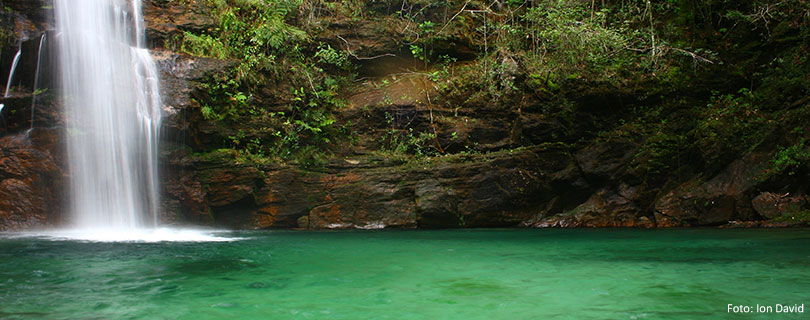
{"points": [[330, 214], [266, 217], [325, 215]]}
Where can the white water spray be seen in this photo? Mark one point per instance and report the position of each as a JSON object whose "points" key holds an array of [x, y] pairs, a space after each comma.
{"points": [[112, 102]]}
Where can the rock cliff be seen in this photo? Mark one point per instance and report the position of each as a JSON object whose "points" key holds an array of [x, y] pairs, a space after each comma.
{"points": [[500, 165]]}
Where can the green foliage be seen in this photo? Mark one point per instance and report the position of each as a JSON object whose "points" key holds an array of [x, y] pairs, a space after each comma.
{"points": [[543, 56], [203, 45], [253, 32], [540, 45], [224, 100], [276, 61], [662, 154], [563, 34], [311, 156], [789, 160], [406, 141], [329, 56], [730, 125], [418, 52]]}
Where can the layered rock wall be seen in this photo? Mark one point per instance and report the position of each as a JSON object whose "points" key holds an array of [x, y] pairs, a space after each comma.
{"points": [[527, 170]]}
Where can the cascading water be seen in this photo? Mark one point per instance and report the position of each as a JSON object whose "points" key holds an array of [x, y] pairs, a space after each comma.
{"points": [[112, 102], [11, 72], [36, 78]]}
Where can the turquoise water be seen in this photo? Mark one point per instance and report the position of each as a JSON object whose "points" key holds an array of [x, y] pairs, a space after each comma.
{"points": [[448, 274]]}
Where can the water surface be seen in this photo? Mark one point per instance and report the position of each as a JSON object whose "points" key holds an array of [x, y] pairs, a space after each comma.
{"points": [[449, 274]]}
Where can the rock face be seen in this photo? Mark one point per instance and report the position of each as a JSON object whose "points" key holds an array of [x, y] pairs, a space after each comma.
{"points": [[544, 186], [180, 76], [166, 20], [490, 191], [26, 19], [22, 25], [32, 175], [32, 181], [724, 198]]}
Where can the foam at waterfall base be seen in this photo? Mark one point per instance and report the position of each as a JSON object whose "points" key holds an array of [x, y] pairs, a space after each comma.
{"points": [[127, 235]]}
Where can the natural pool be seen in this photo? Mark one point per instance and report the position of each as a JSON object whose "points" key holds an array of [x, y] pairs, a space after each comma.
{"points": [[446, 274]]}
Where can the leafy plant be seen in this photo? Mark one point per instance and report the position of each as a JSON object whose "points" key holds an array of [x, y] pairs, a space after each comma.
{"points": [[789, 160], [406, 141], [329, 56], [275, 61]]}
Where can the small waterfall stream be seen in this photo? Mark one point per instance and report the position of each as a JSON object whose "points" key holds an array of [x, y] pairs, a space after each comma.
{"points": [[112, 106], [36, 78], [11, 72]]}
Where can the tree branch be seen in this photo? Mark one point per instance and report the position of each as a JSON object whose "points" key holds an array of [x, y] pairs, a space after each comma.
{"points": [[349, 51]]}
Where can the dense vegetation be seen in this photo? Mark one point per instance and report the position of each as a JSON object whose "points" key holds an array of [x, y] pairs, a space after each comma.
{"points": [[693, 83]]}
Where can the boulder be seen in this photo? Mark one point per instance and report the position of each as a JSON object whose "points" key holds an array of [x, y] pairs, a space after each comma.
{"points": [[723, 198], [771, 205], [604, 208]]}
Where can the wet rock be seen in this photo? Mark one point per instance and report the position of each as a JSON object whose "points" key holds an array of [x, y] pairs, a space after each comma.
{"points": [[185, 199], [287, 196], [363, 201], [606, 160], [437, 205], [644, 222], [22, 23], [180, 76], [537, 129], [15, 116], [724, 198], [303, 222], [663, 221], [32, 182], [604, 208], [493, 190], [762, 224], [363, 38], [194, 189], [229, 185], [27, 19]]}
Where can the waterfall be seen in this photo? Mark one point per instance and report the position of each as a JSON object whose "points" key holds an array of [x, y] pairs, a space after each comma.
{"points": [[36, 79], [112, 108], [11, 72]]}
